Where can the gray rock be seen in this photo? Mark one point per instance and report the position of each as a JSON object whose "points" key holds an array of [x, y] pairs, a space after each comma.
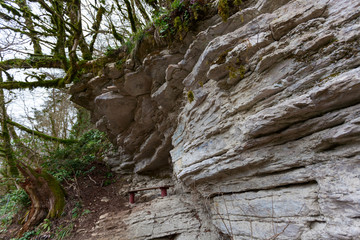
{"points": [[113, 71], [137, 83], [118, 110], [163, 219]]}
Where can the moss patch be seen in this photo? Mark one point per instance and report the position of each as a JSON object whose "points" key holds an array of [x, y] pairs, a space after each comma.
{"points": [[190, 96]]}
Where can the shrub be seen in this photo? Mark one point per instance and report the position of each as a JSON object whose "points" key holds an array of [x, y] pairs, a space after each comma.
{"points": [[72, 160], [10, 204], [181, 18], [224, 7]]}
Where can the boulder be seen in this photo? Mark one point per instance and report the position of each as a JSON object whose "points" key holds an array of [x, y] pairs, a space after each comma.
{"points": [[118, 110]]}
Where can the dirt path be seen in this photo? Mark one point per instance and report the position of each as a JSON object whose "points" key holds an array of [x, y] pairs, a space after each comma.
{"points": [[98, 194]]}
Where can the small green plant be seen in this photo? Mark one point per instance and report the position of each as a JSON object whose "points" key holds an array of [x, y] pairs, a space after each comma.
{"points": [[222, 58], [110, 51], [78, 211], [28, 235], [162, 24], [109, 179], [181, 17], [64, 231], [223, 10], [85, 212], [119, 64], [237, 2], [190, 96], [236, 72], [73, 159], [75, 212], [224, 7], [10, 204], [45, 226]]}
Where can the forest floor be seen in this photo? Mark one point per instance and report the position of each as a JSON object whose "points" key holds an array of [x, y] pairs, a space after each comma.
{"points": [[89, 197]]}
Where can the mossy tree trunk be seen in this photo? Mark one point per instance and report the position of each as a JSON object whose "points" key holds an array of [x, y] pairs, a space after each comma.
{"points": [[23, 5], [6, 149], [131, 17], [46, 194]]}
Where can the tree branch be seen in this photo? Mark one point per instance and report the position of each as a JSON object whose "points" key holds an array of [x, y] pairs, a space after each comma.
{"points": [[30, 63], [41, 135], [57, 83]]}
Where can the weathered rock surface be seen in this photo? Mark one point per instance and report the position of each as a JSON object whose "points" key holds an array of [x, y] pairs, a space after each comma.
{"points": [[272, 137], [173, 217]]}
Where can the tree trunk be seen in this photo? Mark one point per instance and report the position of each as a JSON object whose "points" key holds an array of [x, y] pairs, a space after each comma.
{"points": [[30, 154], [6, 140], [30, 25], [131, 17], [46, 194]]}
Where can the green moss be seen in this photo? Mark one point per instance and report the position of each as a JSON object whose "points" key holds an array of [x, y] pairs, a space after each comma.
{"points": [[236, 72], [221, 59], [120, 64], [225, 7], [223, 10], [32, 62], [237, 2], [330, 76], [59, 195], [109, 51], [41, 135], [94, 67], [190, 96], [178, 23], [55, 188], [30, 85]]}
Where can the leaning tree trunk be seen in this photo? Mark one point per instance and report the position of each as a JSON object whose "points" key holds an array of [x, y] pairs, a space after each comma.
{"points": [[46, 194]]}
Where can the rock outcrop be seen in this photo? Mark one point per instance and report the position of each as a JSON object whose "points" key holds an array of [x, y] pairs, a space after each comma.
{"points": [[173, 217], [259, 114]]}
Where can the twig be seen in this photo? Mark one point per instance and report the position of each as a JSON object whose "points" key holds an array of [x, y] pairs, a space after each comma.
{"points": [[251, 230], [228, 216], [287, 225], [272, 215], [77, 188], [92, 179], [278, 234], [222, 218]]}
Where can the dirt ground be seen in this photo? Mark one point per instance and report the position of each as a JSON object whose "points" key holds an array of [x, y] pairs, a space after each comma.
{"points": [[89, 197]]}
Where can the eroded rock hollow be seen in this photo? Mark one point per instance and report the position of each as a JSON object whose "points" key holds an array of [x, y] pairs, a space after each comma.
{"points": [[260, 115]]}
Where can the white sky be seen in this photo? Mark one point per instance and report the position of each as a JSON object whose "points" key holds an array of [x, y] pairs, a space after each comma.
{"points": [[23, 101]]}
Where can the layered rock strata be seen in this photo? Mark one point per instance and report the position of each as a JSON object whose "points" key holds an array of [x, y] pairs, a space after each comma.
{"points": [[170, 218], [271, 138]]}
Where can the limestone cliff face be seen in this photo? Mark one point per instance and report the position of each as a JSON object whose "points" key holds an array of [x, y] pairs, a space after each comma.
{"points": [[272, 137]]}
